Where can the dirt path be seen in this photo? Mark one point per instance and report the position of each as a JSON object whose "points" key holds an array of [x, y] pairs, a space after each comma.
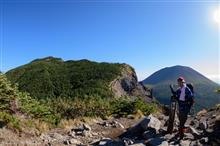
{"points": [[101, 129]]}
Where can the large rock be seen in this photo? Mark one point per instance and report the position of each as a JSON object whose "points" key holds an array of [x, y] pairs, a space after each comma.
{"points": [[151, 122], [146, 123]]}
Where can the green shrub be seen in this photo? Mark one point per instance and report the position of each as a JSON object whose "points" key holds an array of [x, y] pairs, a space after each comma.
{"points": [[36, 109], [7, 93], [9, 120], [26, 104], [99, 107], [124, 107]]}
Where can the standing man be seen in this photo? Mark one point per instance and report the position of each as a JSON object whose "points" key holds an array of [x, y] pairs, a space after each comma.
{"points": [[185, 101]]}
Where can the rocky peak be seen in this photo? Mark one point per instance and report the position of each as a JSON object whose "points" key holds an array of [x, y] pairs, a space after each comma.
{"points": [[127, 84]]}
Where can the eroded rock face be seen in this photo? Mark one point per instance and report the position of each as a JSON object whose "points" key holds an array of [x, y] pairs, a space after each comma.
{"points": [[127, 85]]}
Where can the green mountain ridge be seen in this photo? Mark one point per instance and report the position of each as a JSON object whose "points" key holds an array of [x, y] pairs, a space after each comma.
{"points": [[52, 77]]}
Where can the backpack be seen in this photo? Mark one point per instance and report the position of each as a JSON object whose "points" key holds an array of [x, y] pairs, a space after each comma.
{"points": [[190, 86]]}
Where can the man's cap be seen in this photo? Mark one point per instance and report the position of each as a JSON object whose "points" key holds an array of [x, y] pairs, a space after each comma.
{"points": [[181, 79]]}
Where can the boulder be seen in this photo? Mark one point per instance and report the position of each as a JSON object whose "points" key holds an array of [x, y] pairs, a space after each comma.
{"points": [[146, 123], [150, 122]]}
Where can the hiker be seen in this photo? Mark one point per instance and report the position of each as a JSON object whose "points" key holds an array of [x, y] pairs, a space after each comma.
{"points": [[185, 100]]}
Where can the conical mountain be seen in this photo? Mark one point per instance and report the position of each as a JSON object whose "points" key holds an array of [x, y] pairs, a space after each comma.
{"points": [[204, 88]]}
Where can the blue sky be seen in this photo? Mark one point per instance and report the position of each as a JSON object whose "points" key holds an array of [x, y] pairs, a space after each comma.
{"points": [[148, 35]]}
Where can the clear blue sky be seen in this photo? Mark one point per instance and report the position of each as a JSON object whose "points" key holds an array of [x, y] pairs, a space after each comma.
{"points": [[148, 35]]}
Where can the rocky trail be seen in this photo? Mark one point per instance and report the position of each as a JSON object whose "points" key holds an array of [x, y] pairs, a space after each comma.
{"points": [[203, 129]]}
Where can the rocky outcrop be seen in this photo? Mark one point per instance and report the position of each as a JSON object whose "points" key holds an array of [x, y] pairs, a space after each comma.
{"points": [[203, 130], [127, 85]]}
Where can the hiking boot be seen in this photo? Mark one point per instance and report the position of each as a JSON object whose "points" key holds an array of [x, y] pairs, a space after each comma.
{"points": [[181, 132]]}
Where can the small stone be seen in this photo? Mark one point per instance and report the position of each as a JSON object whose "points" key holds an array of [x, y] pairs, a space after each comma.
{"points": [[46, 138], [105, 141], [202, 112], [72, 134], [168, 136], [57, 136], [188, 136], [66, 142], [209, 130], [127, 141], [213, 116], [87, 127], [192, 123], [120, 125], [204, 140], [195, 143], [86, 134], [185, 142], [137, 144], [193, 131], [203, 125], [74, 141], [95, 134], [164, 143]]}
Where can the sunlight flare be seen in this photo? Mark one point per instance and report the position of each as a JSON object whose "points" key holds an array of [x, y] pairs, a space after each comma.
{"points": [[216, 15]]}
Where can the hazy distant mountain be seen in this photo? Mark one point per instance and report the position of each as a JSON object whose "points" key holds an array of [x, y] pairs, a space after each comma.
{"points": [[204, 87]]}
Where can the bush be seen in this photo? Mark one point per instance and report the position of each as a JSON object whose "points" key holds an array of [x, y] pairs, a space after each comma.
{"points": [[26, 104], [36, 109], [99, 107], [124, 107], [9, 120]]}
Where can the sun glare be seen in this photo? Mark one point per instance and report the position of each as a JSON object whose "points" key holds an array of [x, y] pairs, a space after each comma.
{"points": [[216, 16]]}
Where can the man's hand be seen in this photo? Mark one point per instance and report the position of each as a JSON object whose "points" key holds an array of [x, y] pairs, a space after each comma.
{"points": [[171, 88]]}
